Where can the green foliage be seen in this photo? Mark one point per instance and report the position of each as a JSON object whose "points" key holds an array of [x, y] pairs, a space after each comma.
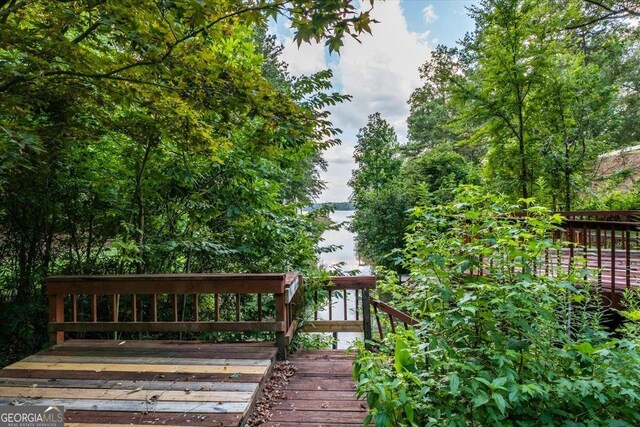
{"points": [[380, 203], [156, 137], [376, 154], [434, 175], [534, 94], [380, 221], [498, 344], [390, 180]]}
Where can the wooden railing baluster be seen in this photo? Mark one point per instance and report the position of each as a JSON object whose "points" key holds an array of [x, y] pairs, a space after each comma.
{"points": [[134, 307], [599, 254], [344, 301], [74, 307], [375, 311], [155, 307], [175, 308], [196, 306], [114, 307], [628, 260], [393, 326], [613, 265], [315, 308]]}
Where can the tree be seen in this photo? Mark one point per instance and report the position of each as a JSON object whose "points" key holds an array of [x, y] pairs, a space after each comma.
{"points": [[529, 95], [376, 154], [576, 106], [430, 121], [155, 137], [434, 176], [380, 203]]}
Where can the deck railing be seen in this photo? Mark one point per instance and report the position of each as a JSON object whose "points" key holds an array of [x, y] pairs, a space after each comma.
{"points": [[353, 312], [395, 317], [77, 304], [199, 303], [606, 241]]}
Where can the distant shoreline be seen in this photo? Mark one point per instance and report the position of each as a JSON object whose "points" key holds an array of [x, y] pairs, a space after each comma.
{"points": [[337, 206]]}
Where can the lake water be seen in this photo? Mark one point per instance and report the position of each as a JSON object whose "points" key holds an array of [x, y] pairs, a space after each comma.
{"points": [[346, 255]]}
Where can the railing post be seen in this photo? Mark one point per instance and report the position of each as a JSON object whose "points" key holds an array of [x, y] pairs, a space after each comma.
{"points": [[366, 317], [56, 315], [281, 316]]}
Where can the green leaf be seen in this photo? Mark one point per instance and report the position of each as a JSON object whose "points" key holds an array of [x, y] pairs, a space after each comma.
{"points": [[403, 360], [454, 383], [479, 400], [500, 402]]}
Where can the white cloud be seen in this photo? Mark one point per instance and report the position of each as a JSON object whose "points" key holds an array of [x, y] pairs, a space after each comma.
{"points": [[380, 73], [307, 59], [429, 14]]}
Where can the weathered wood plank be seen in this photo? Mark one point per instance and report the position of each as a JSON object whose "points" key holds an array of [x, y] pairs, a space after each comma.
{"points": [[128, 385], [131, 405], [320, 417], [333, 326], [142, 394], [172, 344], [147, 284], [107, 425], [131, 376], [311, 423], [322, 355], [324, 384], [242, 326], [143, 418], [106, 367], [173, 354], [322, 405], [318, 395], [148, 360]]}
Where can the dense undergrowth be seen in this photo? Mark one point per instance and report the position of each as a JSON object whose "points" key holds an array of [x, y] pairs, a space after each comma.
{"points": [[505, 347]]}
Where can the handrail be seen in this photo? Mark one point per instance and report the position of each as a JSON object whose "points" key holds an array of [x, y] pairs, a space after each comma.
{"points": [[392, 314], [355, 288], [122, 318]]}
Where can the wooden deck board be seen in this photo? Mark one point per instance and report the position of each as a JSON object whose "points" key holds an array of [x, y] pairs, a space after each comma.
{"points": [[320, 393], [142, 382]]}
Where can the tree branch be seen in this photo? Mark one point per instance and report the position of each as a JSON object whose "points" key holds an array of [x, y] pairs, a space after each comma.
{"points": [[612, 13], [4, 15], [87, 32], [600, 5], [148, 62]]}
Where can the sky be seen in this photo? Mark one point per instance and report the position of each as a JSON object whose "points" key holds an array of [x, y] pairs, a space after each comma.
{"points": [[380, 73]]}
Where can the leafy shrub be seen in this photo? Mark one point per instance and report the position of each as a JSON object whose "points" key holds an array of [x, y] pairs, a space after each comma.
{"points": [[499, 343]]}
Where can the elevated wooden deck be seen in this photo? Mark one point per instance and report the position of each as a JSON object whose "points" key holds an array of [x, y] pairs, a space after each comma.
{"points": [[142, 382]]}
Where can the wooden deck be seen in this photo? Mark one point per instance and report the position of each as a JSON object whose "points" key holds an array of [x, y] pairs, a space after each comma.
{"points": [[321, 392], [142, 382]]}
